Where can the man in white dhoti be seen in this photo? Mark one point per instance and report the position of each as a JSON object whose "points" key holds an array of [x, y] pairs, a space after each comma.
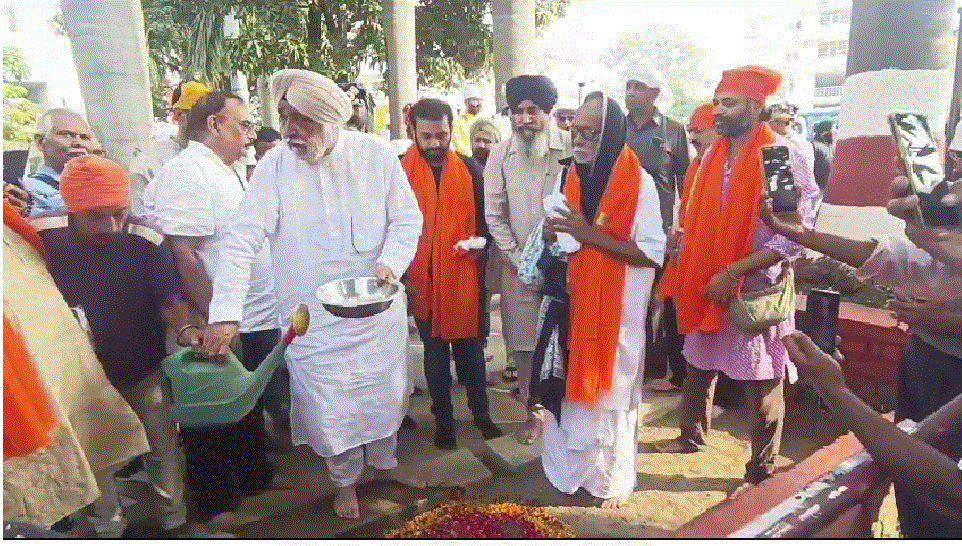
{"points": [[334, 204], [519, 174], [589, 357]]}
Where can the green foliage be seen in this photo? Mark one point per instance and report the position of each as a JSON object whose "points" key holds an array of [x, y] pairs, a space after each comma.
{"points": [[18, 112], [14, 66], [335, 38], [681, 58]]}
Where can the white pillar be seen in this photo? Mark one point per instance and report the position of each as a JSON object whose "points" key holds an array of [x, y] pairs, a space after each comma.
{"points": [[513, 27], [269, 116], [110, 54], [402, 82]]}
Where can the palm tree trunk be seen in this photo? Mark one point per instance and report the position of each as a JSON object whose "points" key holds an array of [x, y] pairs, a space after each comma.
{"points": [[110, 53]]}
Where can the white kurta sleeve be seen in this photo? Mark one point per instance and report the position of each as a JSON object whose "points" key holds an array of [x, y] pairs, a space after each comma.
{"points": [[403, 218], [256, 220], [648, 233]]}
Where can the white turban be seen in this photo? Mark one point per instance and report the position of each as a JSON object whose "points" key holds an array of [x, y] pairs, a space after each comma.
{"points": [[313, 95], [470, 91], [647, 74]]}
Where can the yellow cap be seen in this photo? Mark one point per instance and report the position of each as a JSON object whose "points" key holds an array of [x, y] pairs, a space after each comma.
{"points": [[190, 93]]}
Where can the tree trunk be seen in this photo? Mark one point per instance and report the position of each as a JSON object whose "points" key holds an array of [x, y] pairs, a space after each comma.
{"points": [[110, 53], [513, 23], [402, 68], [269, 116]]}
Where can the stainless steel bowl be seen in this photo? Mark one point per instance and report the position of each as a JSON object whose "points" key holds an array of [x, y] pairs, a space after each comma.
{"points": [[357, 298]]}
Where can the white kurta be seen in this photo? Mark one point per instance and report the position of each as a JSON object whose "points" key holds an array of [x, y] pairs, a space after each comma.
{"points": [[595, 446], [349, 378]]}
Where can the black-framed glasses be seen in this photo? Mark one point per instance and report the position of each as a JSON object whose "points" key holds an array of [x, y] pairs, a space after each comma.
{"points": [[590, 135]]}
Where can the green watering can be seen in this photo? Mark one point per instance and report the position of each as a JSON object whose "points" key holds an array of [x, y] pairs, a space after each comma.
{"points": [[207, 394]]}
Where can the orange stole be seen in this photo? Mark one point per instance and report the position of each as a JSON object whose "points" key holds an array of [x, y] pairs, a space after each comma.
{"points": [[667, 284], [597, 283], [447, 291], [716, 236], [27, 418]]}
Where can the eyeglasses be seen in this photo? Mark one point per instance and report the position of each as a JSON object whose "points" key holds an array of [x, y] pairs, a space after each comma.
{"points": [[590, 135]]}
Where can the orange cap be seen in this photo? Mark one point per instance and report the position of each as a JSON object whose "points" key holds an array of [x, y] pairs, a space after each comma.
{"points": [[92, 182], [755, 82], [702, 117]]}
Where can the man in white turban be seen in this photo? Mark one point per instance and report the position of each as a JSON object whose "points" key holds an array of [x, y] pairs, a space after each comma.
{"points": [[461, 137], [334, 204]]}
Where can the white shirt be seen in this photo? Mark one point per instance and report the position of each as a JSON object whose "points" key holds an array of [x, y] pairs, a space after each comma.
{"points": [[335, 220], [196, 195]]}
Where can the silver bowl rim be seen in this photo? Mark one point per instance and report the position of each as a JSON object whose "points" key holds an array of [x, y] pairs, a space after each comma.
{"points": [[394, 282]]}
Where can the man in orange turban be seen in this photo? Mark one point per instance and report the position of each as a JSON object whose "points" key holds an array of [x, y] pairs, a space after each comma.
{"points": [[723, 248], [119, 277]]}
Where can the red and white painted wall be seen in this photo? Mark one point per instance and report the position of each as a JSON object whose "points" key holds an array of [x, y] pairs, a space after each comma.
{"points": [[864, 161]]}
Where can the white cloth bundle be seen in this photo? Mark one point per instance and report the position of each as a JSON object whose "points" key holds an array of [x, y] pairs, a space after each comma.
{"points": [[552, 204]]}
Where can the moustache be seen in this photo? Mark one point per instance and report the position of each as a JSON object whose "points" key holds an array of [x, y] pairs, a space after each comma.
{"points": [[433, 153]]}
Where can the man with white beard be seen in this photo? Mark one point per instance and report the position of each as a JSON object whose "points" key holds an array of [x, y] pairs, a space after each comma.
{"points": [[519, 174], [334, 204]]}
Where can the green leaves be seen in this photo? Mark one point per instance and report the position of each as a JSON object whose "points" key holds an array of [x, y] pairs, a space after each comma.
{"points": [[14, 66], [332, 37]]}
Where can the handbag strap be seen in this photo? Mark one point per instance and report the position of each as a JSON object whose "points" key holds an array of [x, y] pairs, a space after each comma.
{"points": [[786, 267]]}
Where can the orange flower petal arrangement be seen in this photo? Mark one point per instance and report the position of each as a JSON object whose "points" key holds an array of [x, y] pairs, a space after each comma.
{"points": [[479, 520]]}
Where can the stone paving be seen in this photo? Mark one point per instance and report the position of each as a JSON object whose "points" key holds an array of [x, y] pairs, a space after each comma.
{"points": [[671, 489]]}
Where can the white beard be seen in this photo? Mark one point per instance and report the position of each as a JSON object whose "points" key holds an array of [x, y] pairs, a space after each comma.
{"points": [[319, 146], [536, 148]]}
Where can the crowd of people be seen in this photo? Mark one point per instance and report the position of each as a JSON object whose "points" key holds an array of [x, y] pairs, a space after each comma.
{"points": [[616, 240]]}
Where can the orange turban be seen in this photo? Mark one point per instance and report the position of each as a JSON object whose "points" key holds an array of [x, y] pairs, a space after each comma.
{"points": [[702, 117], [755, 82], [92, 182]]}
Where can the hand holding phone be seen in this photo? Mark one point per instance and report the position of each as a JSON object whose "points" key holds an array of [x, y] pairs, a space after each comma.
{"points": [[821, 318], [918, 154], [779, 179]]}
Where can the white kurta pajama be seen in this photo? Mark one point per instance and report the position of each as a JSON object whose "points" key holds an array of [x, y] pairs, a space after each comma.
{"points": [[594, 447], [349, 378]]}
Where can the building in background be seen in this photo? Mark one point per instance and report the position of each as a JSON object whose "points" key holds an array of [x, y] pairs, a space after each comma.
{"points": [[834, 20], [31, 26], [785, 37]]}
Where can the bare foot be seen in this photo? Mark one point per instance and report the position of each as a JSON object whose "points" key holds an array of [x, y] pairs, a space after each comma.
{"points": [[406, 476], [282, 481], [741, 489], [615, 502], [531, 430], [345, 503]]}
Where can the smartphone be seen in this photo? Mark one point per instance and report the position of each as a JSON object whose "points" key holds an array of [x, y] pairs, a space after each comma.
{"points": [[821, 312], [919, 155], [779, 179]]}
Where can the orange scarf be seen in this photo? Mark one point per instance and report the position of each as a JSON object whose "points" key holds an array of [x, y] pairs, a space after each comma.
{"points": [[667, 284], [716, 235], [597, 282], [27, 418], [446, 286]]}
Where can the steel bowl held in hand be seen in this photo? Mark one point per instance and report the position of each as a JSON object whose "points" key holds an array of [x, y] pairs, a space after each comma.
{"points": [[357, 298]]}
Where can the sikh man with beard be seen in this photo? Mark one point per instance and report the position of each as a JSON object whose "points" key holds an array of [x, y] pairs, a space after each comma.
{"points": [[590, 355], [447, 289], [724, 245], [520, 173], [334, 204]]}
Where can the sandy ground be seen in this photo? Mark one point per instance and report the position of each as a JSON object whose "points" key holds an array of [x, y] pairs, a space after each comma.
{"points": [[671, 489]]}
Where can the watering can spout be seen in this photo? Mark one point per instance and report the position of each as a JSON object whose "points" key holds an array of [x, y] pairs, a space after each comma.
{"points": [[265, 370], [214, 394]]}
